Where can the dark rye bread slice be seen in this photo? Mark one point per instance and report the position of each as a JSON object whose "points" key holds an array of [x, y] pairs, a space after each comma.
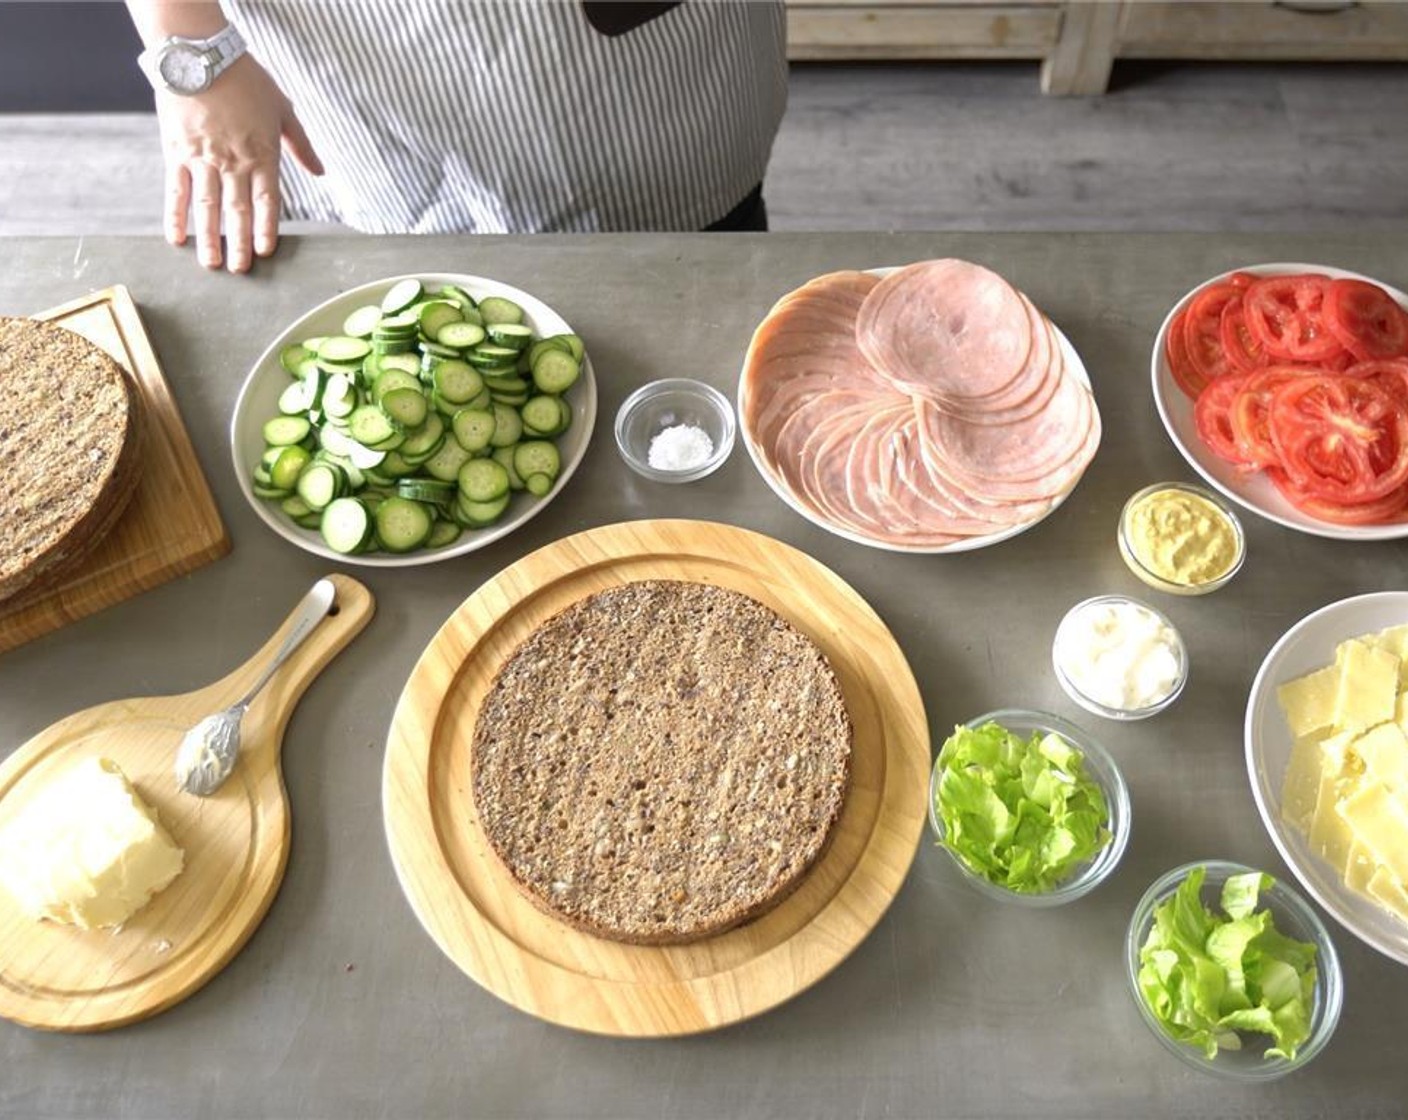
{"points": [[661, 761], [70, 450]]}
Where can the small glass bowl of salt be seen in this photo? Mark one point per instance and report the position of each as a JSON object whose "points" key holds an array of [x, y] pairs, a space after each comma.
{"points": [[675, 430]]}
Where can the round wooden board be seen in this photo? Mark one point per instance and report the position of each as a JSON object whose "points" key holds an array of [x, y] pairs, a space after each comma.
{"points": [[59, 977], [486, 926]]}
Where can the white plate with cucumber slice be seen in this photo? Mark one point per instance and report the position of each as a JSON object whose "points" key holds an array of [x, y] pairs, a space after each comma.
{"points": [[413, 419]]}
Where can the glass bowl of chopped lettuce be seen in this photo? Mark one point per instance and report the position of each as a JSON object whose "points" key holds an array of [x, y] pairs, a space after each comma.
{"points": [[1032, 809], [1233, 971]]}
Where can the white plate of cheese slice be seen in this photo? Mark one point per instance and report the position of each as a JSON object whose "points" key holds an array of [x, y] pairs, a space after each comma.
{"points": [[1319, 821]]}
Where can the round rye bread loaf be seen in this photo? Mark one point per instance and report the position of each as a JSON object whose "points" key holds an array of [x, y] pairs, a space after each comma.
{"points": [[70, 450], [661, 761]]}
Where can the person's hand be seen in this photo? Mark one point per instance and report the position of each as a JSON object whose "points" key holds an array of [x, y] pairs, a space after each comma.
{"points": [[222, 151]]}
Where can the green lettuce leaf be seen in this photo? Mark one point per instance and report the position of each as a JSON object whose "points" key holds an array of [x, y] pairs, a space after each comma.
{"points": [[1209, 978], [1019, 812]]}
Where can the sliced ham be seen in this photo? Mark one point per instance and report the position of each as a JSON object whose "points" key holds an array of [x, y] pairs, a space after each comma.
{"points": [[949, 329], [919, 411]]}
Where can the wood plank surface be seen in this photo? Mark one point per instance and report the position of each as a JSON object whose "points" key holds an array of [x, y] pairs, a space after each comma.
{"points": [[913, 31], [1264, 31], [171, 526], [1079, 65], [472, 908], [236, 842]]}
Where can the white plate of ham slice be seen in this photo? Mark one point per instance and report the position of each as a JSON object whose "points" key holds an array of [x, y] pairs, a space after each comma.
{"points": [[1254, 491], [929, 408]]}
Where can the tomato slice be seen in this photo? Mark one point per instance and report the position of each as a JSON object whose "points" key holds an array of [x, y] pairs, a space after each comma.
{"points": [[1176, 351], [1249, 414], [1241, 346], [1287, 314], [1202, 331], [1391, 507], [1212, 415], [1342, 439], [1366, 320], [1390, 374]]}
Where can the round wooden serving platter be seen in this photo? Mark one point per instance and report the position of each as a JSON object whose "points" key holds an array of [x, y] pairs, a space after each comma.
{"points": [[59, 977], [480, 920]]}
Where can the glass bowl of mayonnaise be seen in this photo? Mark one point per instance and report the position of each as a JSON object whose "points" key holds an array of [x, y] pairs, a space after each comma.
{"points": [[1181, 538], [1119, 658]]}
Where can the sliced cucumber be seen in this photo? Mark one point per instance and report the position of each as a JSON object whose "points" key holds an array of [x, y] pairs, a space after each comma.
{"points": [[401, 296], [370, 426], [459, 335], [504, 457], [292, 357], [457, 382], [443, 533], [474, 428], [346, 525], [284, 430], [476, 515], [483, 480], [406, 407], [362, 322], [508, 427], [543, 415], [402, 525], [555, 371], [445, 464], [496, 309], [537, 456], [319, 484], [283, 475]]}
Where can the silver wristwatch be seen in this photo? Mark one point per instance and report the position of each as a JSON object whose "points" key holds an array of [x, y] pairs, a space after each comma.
{"points": [[188, 66]]}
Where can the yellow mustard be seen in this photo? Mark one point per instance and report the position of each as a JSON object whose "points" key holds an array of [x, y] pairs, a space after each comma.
{"points": [[1181, 537]]}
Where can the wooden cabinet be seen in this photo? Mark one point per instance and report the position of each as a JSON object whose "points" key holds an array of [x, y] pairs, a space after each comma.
{"points": [[1077, 41]]}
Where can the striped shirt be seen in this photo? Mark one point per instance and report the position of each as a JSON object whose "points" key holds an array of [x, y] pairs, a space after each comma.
{"points": [[439, 116]]}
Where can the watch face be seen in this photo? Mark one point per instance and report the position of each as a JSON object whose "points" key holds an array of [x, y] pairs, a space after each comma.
{"points": [[184, 69]]}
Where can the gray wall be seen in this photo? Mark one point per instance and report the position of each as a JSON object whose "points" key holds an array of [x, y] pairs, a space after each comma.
{"points": [[63, 56]]}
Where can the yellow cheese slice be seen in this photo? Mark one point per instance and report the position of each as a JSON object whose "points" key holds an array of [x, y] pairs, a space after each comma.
{"points": [[1301, 786], [1384, 750], [1360, 868], [1401, 712], [1379, 821], [1309, 701], [1384, 889], [1367, 691], [1331, 836], [1395, 641]]}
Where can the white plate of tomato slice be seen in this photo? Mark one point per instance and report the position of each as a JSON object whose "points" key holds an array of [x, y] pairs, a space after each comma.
{"points": [[1311, 424]]}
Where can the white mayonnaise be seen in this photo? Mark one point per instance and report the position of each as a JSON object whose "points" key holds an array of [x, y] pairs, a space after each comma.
{"points": [[1119, 654]]}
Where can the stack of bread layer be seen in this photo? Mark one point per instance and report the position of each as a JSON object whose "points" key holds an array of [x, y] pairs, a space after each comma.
{"points": [[70, 452], [920, 410], [661, 761]]}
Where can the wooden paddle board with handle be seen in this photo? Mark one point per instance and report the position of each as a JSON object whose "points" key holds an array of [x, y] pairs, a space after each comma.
{"points": [[58, 977], [478, 917]]}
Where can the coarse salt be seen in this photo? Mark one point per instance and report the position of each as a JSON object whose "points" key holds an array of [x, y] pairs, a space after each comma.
{"points": [[680, 447]]}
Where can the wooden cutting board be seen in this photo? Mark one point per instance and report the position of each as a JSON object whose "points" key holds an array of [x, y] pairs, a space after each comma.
{"points": [[58, 977], [473, 911], [171, 526]]}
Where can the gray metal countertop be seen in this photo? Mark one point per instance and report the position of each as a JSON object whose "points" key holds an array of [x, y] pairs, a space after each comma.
{"points": [[954, 1006]]}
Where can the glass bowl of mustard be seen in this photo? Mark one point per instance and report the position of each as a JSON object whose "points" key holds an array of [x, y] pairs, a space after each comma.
{"points": [[1181, 538]]}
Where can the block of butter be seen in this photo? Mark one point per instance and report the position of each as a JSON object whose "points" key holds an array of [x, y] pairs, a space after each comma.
{"points": [[87, 850]]}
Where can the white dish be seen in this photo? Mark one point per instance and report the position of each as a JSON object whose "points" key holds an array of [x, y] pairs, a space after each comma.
{"points": [[1074, 366], [258, 401], [1305, 647], [1251, 491]]}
